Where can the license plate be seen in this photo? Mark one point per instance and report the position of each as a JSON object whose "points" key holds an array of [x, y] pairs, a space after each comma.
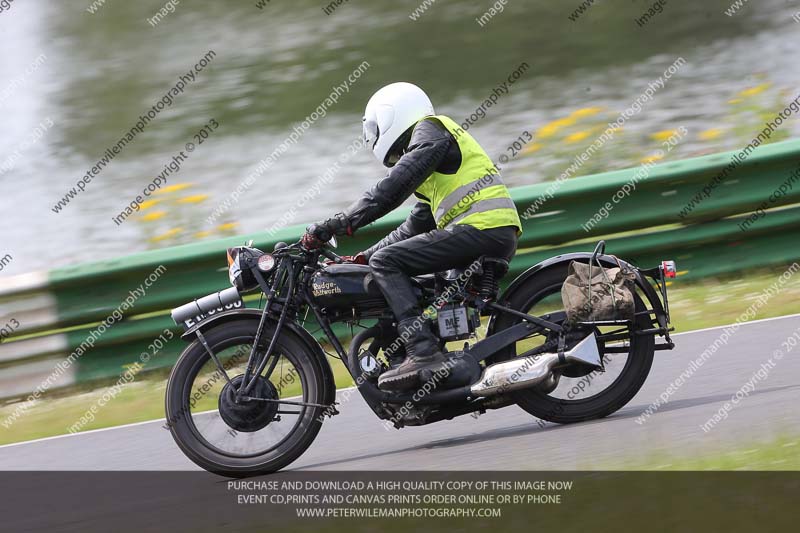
{"points": [[202, 316]]}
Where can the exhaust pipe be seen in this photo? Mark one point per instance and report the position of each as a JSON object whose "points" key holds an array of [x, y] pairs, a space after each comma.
{"points": [[536, 369]]}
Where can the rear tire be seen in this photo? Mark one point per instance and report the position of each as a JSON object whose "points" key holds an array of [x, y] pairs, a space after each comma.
{"points": [[182, 425], [610, 400]]}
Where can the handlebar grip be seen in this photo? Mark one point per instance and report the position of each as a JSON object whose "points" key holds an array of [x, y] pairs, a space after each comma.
{"points": [[205, 304]]}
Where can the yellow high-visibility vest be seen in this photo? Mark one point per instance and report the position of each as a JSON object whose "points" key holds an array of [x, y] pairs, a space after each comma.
{"points": [[475, 194]]}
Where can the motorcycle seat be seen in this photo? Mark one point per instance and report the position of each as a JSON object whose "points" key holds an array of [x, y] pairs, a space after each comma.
{"points": [[427, 281], [498, 264]]}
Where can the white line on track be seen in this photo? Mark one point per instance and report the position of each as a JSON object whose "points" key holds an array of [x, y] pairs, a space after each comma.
{"points": [[134, 424], [159, 420], [796, 315]]}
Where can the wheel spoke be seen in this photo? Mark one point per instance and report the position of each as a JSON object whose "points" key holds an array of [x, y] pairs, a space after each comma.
{"points": [[260, 420]]}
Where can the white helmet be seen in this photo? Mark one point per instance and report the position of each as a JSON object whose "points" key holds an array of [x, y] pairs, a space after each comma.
{"points": [[389, 114]]}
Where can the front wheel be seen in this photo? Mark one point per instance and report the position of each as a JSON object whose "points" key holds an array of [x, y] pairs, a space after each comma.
{"points": [[582, 393], [244, 438]]}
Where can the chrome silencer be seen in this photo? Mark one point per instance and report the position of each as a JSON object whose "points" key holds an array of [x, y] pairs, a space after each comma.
{"points": [[534, 370]]}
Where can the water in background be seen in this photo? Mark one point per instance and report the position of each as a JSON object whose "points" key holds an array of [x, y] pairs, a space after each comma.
{"points": [[72, 83]]}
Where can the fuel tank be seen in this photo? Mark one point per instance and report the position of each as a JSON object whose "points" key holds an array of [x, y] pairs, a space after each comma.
{"points": [[341, 288]]}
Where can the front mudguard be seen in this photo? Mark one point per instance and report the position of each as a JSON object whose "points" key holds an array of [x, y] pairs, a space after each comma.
{"points": [[661, 317], [254, 315]]}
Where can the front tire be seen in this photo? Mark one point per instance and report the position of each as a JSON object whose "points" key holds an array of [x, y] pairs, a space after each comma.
{"points": [[544, 288], [209, 454]]}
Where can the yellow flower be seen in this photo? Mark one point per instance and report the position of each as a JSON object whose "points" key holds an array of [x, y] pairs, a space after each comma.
{"points": [[708, 135], [147, 204], [663, 135], [173, 188], [227, 226], [194, 199], [550, 129], [586, 112], [155, 215], [167, 235], [535, 147], [566, 121], [652, 158], [752, 91], [202, 234], [577, 136]]}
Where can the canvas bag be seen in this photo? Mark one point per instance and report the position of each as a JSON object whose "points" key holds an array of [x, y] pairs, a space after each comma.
{"points": [[592, 293]]}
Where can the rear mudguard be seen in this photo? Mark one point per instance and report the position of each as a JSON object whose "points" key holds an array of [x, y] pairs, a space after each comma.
{"points": [[606, 260], [254, 315]]}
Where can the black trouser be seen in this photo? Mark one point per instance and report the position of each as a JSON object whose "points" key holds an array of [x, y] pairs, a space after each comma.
{"points": [[436, 251]]}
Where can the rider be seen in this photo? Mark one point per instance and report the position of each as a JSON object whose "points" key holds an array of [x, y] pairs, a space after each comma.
{"points": [[463, 211]]}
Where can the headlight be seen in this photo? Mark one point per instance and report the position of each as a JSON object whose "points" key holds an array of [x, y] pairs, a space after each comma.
{"points": [[240, 261], [266, 262]]}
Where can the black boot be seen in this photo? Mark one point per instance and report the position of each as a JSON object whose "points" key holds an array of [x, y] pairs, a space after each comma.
{"points": [[424, 358]]}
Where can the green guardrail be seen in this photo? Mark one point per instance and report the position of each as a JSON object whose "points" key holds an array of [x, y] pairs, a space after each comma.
{"points": [[58, 310]]}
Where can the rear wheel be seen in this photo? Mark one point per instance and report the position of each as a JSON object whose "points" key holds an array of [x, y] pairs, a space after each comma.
{"points": [[250, 437], [582, 393]]}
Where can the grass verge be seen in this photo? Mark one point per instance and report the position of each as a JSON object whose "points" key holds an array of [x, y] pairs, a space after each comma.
{"points": [[782, 453]]}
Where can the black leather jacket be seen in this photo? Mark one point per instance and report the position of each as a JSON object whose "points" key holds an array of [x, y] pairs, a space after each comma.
{"points": [[431, 148]]}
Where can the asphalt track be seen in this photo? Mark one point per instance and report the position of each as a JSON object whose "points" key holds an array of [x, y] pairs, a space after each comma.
{"points": [[510, 439]]}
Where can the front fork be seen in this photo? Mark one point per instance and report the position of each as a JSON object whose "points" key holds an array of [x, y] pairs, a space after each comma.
{"points": [[286, 270]]}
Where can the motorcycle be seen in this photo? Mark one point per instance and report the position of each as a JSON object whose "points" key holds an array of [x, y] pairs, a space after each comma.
{"points": [[249, 394]]}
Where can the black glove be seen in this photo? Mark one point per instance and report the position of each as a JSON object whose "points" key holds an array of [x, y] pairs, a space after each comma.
{"points": [[310, 241], [337, 225], [358, 259]]}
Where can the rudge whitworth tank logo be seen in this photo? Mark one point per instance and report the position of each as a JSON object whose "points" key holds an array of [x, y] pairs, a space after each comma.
{"points": [[322, 288]]}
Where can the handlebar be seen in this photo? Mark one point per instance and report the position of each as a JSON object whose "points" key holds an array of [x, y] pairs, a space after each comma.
{"points": [[323, 250], [333, 256]]}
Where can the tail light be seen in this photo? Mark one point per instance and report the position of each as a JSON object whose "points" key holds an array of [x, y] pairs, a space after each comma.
{"points": [[669, 268]]}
